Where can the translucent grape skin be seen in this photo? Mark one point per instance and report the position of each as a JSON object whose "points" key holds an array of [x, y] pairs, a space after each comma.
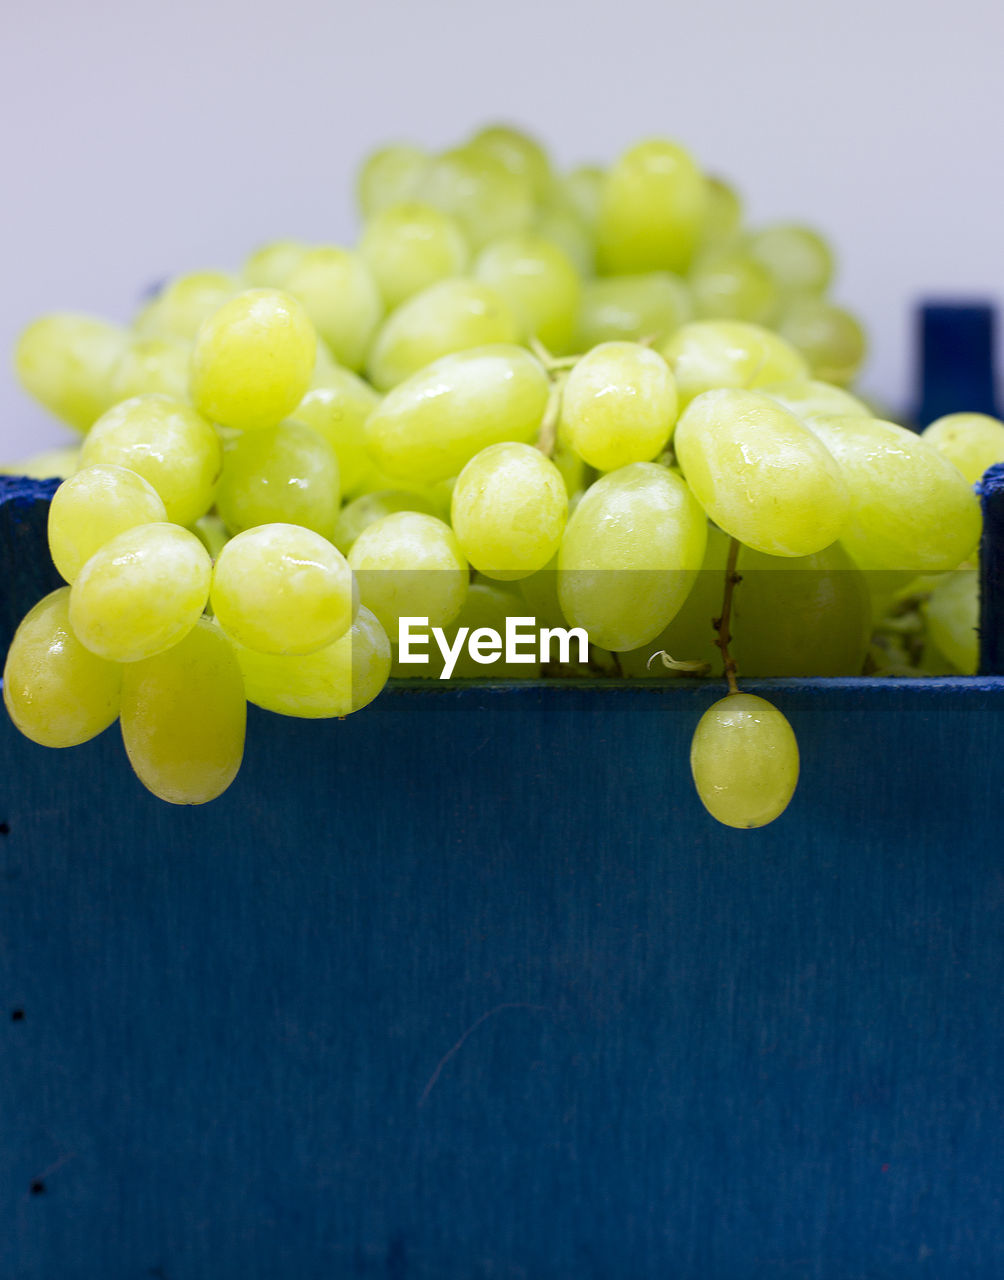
{"points": [[708, 354], [808, 398], [744, 761], [279, 588], [453, 315], [390, 175], [953, 614], [253, 360], [409, 247], [183, 304], [410, 565], [341, 297], [340, 678], [972, 441], [760, 473], [519, 152], [283, 475], [649, 306], [50, 464], [67, 362], [337, 409], [619, 405], [58, 693], [183, 717], [141, 592], [538, 282], [830, 338], [361, 512], [485, 196], [166, 442], [797, 258], [151, 365], [629, 555], [508, 510], [428, 427], [271, 265], [727, 284], [91, 508]]}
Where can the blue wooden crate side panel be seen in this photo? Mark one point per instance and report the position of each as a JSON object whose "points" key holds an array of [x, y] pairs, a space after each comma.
{"points": [[469, 986], [992, 572], [956, 354], [26, 569]]}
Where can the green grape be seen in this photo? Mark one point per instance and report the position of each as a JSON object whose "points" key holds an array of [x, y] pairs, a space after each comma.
{"points": [[582, 188], [94, 506], [140, 592], [57, 692], [340, 295], [283, 475], [509, 510], [361, 512], [182, 305], [67, 363], [451, 316], [562, 226], [973, 441], [618, 405], [390, 175], [539, 283], [326, 367], [651, 210], [540, 592], [573, 470], [253, 360], [271, 265], [911, 509], [807, 398], [334, 681], [487, 606], [521, 155], [279, 588], [152, 365], [798, 259], [486, 197], [760, 473], [408, 247], [631, 308], [212, 533], [51, 464], [428, 427], [830, 338], [953, 617], [744, 760], [184, 716], [168, 444], [338, 410], [723, 213], [410, 565], [629, 555], [727, 284], [708, 354]]}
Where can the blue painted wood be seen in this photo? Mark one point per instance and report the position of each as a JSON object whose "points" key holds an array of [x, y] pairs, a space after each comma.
{"points": [[992, 572], [957, 359], [26, 569]]}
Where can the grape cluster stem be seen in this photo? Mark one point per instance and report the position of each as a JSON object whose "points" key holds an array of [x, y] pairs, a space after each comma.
{"points": [[721, 624]]}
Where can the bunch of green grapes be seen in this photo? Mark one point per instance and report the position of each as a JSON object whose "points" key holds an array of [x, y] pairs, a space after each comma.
{"points": [[593, 397]]}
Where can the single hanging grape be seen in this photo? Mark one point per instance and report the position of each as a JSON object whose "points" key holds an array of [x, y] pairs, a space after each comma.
{"points": [[744, 761]]}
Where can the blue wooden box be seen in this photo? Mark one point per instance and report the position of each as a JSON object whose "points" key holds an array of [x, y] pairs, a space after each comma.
{"points": [[469, 986]]}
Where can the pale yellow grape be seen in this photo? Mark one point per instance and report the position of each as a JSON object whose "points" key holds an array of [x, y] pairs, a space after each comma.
{"points": [[279, 588], [410, 565], [727, 284], [723, 213], [911, 509], [390, 175], [325, 366], [559, 223], [270, 266], [94, 506], [652, 206], [182, 305], [618, 405], [184, 716], [830, 338], [361, 512], [798, 258], [583, 189], [760, 473], [953, 617], [539, 283], [67, 363], [629, 555], [476, 188], [152, 365], [283, 475], [334, 681], [807, 398], [708, 354], [57, 692], [573, 470], [166, 442], [428, 427], [509, 510], [140, 592], [340, 295], [451, 316], [521, 154], [652, 306], [51, 464], [338, 410], [212, 533], [973, 441], [410, 246], [744, 761], [253, 360]]}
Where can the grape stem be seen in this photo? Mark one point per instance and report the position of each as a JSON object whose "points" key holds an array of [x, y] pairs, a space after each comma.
{"points": [[547, 436], [721, 625]]}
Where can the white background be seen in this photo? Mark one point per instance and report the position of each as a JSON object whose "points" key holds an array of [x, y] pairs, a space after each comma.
{"points": [[141, 140]]}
